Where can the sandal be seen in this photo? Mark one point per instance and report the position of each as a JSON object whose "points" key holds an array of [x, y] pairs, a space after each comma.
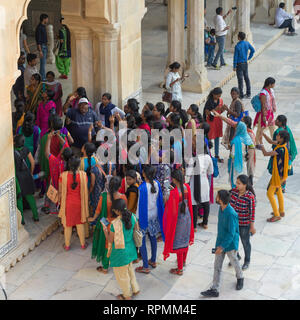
{"points": [[142, 270], [101, 269], [220, 160], [202, 225], [273, 219], [152, 264], [84, 246], [67, 248], [136, 293], [176, 271]]}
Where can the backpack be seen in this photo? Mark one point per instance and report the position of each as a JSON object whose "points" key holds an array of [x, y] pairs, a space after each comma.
{"points": [[256, 103]]}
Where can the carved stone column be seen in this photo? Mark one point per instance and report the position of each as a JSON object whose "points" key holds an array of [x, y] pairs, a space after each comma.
{"points": [[243, 18], [197, 80], [50, 36], [107, 68], [82, 59], [176, 32]]}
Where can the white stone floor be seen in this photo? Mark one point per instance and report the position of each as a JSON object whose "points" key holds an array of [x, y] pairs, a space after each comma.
{"points": [[50, 273]]}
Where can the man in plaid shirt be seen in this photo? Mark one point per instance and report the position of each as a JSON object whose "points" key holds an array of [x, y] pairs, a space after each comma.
{"points": [[242, 199]]}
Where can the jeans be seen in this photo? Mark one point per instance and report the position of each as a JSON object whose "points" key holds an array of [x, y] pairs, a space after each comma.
{"points": [[219, 258], [210, 55], [288, 24], [217, 144], [245, 238], [43, 61], [144, 253], [242, 73], [220, 53]]}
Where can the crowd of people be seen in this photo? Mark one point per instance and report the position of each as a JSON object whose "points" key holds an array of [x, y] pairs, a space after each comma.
{"points": [[121, 202]]}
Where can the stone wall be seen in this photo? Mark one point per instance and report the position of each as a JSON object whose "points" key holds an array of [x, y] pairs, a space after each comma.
{"points": [[36, 8]]}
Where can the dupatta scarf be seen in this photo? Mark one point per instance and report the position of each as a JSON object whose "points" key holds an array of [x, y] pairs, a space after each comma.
{"points": [[280, 164], [83, 197], [171, 217], [241, 136]]}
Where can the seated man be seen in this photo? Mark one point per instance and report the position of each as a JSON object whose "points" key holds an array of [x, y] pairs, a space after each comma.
{"points": [[284, 20]]}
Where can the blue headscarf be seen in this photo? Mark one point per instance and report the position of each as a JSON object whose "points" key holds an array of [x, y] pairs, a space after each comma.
{"points": [[241, 136]]}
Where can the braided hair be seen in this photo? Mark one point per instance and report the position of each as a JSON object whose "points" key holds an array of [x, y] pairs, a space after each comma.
{"points": [[114, 186], [120, 205], [150, 173], [89, 150], [178, 175], [74, 164]]}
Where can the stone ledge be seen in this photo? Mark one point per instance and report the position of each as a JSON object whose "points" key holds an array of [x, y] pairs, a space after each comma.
{"points": [[27, 244]]}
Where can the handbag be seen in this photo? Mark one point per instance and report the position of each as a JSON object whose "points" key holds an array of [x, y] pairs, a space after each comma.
{"points": [[167, 96], [137, 235], [52, 194]]}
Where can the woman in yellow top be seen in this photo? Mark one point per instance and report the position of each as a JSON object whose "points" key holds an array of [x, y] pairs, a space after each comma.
{"points": [[279, 169]]}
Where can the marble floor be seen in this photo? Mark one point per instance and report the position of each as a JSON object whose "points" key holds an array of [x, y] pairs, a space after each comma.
{"points": [[52, 274]]}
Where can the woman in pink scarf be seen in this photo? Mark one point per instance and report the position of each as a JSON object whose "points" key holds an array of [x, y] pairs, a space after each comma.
{"points": [[45, 109]]}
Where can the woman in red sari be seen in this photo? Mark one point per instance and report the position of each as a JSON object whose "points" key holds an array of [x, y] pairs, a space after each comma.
{"points": [[214, 102], [178, 222]]}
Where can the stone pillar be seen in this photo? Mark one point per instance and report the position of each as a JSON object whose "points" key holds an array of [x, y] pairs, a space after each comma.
{"points": [[82, 59], [289, 6], [106, 70], [50, 36], [243, 18], [176, 32], [197, 80], [261, 11]]}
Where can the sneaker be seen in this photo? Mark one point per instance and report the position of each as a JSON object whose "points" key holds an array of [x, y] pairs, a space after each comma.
{"points": [[215, 67], [240, 284], [224, 65], [211, 293], [245, 266]]}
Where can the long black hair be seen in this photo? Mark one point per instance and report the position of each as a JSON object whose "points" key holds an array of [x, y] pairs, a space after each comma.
{"points": [[28, 124], [178, 175], [195, 110], [283, 120], [120, 205], [81, 92], [160, 107], [284, 135], [150, 173], [90, 149], [114, 186], [67, 154], [269, 81], [183, 115], [74, 164], [245, 180], [216, 91]]}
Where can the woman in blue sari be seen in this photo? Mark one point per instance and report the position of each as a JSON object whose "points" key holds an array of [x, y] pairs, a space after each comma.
{"points": [[235, 162]]}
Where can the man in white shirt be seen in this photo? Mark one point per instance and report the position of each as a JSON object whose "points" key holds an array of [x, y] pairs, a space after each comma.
{"points": [[284, 20], [221, 32], [30, 70]]}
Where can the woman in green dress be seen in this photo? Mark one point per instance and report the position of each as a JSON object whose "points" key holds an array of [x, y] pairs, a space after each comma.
{"points": [[122, 249], [63, 58]]}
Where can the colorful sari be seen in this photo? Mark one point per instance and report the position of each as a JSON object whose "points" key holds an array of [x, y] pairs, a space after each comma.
{"points": [[235, 162], [34, 97]]}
